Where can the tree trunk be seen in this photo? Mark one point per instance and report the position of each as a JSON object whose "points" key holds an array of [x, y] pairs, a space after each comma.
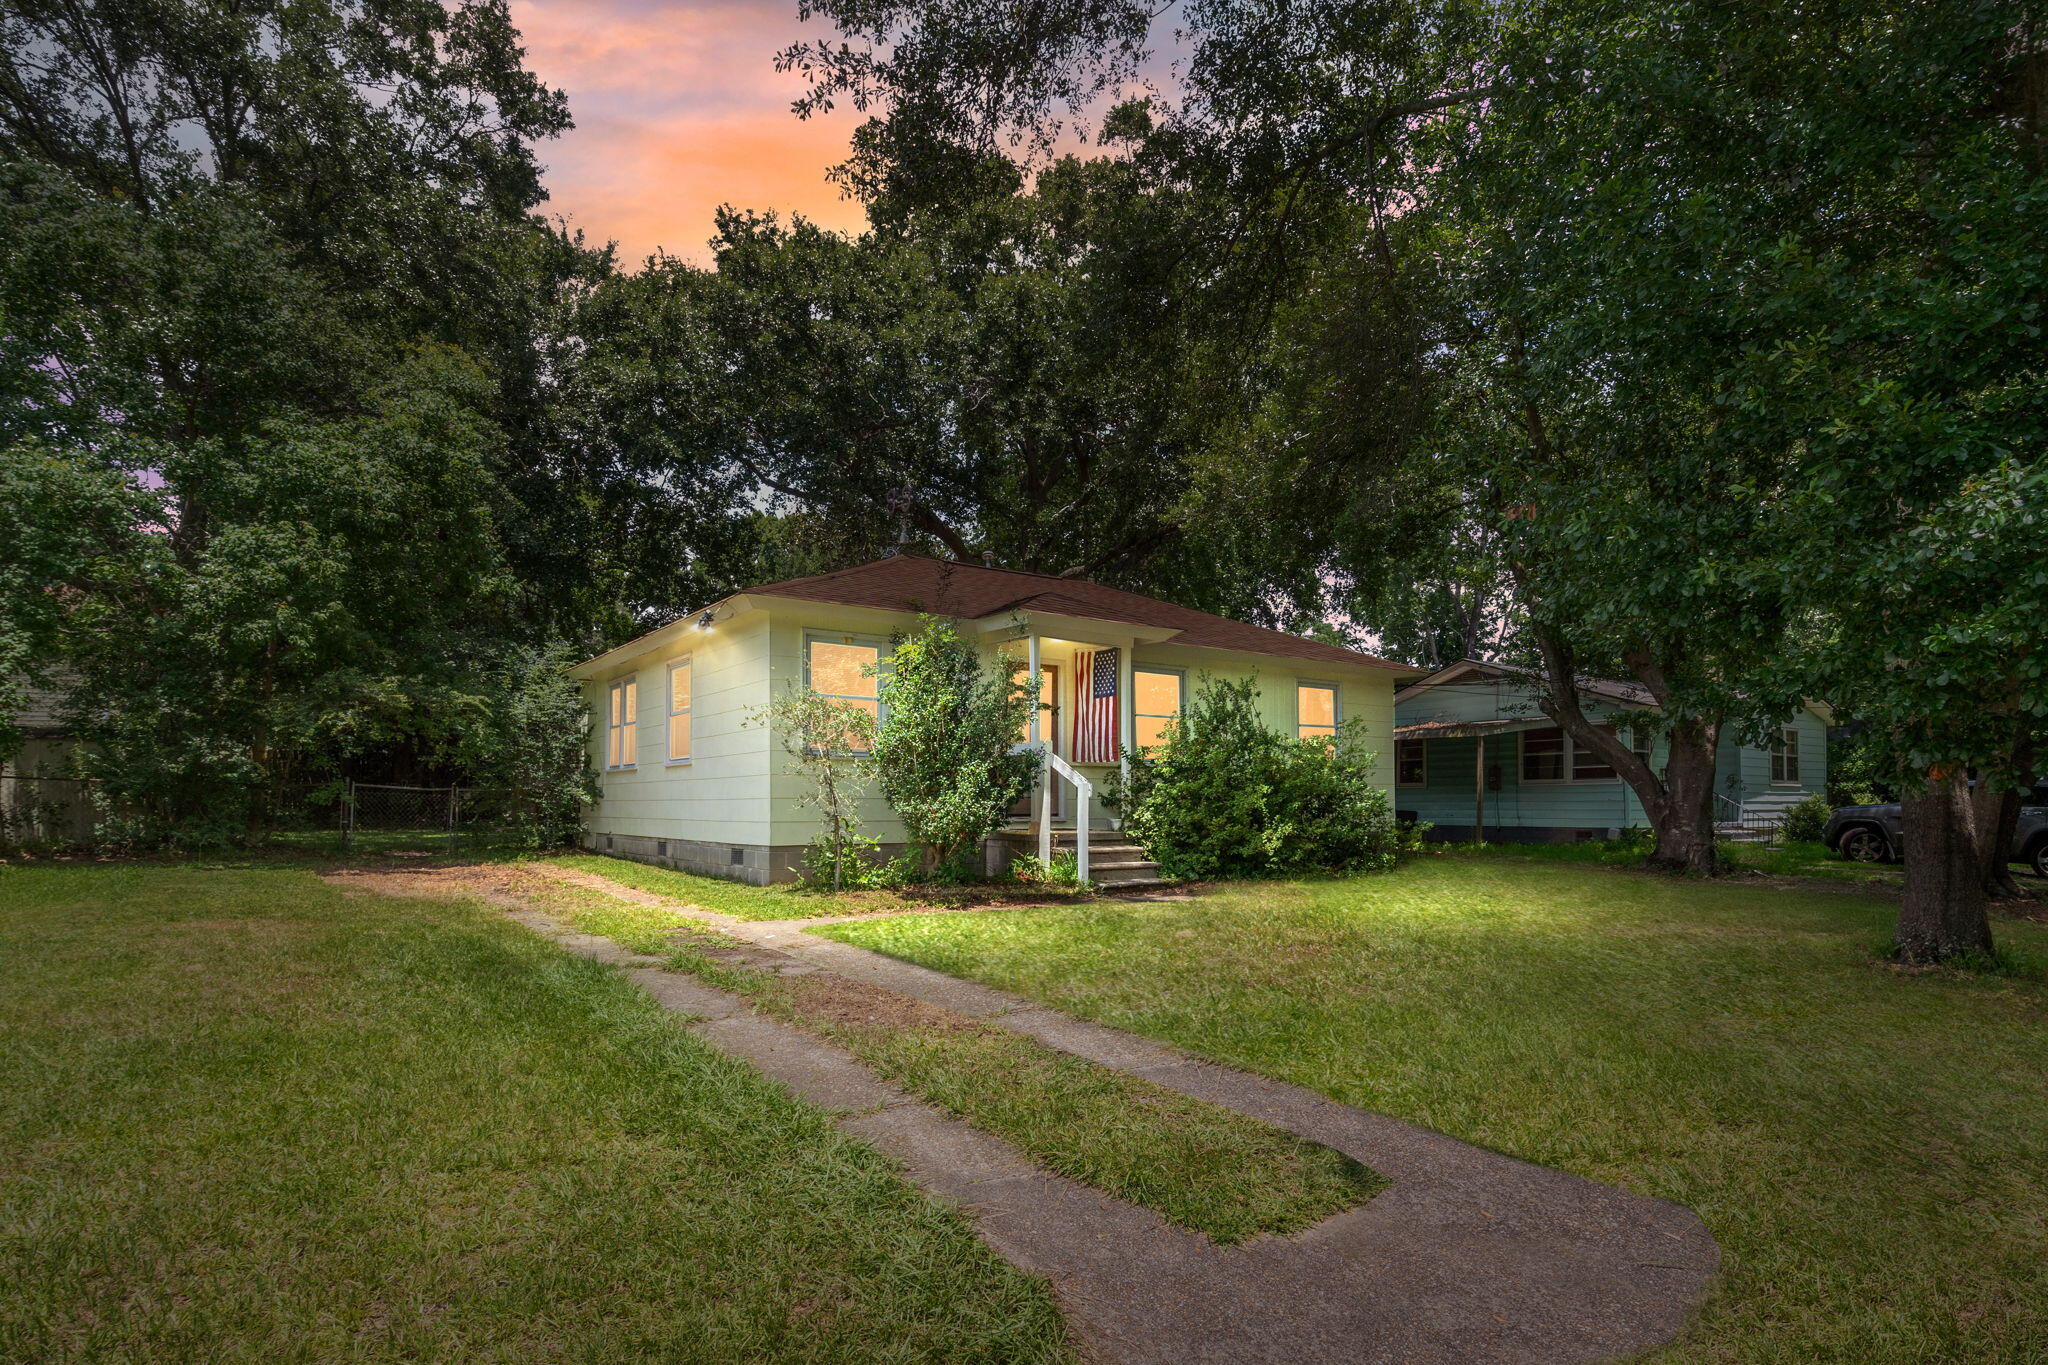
{"points": [[2005, 822], [1682, 813], [1941, 916], [1680, 807]]}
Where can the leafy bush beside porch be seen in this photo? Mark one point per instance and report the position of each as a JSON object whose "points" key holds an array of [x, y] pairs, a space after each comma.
{"points": [[1227, 797]]}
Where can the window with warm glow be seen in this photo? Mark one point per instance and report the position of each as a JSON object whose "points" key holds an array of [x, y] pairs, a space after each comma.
{"points": [[1155, 704], [847, 672], [1315, 711], [622, 732], [679, 699]]}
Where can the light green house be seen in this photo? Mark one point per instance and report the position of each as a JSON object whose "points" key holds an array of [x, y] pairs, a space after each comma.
{"points": [[692, 779], [1471, 747]]}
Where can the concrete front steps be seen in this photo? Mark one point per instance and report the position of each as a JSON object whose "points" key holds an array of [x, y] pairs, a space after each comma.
{"points": [[1114, 862], [1761, 818]]}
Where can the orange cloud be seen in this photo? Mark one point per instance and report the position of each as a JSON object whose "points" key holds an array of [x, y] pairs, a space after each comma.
{"points": [[679, 109]]}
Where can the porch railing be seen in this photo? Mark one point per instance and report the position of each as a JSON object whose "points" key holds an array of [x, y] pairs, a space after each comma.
{"points": [[1083, 790]]}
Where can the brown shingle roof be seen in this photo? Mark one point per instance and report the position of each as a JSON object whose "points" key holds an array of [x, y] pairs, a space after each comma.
{"points": [[971, 591]]}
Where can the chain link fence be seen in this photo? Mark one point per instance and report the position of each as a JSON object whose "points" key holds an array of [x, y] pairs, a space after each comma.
{"points": [[382, 817]]}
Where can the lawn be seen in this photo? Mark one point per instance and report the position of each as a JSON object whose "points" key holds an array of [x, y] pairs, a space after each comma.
{"points": [[1209, 1169], [790, 900], [246, 1116], [1869, 1145]]}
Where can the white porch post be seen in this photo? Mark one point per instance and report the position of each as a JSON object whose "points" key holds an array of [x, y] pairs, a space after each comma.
{"points": [[1127, 710]]}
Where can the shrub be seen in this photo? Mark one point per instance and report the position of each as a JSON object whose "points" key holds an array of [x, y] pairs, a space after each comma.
{"points": [[947, 748], [1803, 822], [1227, 797]]}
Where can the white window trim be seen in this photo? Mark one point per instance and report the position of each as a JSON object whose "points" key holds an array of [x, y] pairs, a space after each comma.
{"points": [[688, 713], [1336, 705], [617, 708], [880, 643], [1423, 745], [1180, 674], [1774, 757]]}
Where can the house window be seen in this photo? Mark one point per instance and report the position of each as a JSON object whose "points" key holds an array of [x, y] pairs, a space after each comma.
{"points": [[621, 730], [1543, 755], [1155, 704], [1411, 763], [679, 684], [1641, 742], [1315, 711], [1550, 755], [1588, 766], [846, 671], [1785, 756]]}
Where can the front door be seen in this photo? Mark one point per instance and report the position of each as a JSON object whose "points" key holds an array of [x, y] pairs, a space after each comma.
{"points": [[1050, 713]]}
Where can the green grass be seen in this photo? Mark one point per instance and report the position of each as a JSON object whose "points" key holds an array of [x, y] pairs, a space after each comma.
{"points": [[1811, 859], [784, 901], [1204, 1167], [246, 1116], [1869, 1145]]}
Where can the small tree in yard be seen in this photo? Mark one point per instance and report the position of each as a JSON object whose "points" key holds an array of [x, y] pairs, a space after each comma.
{"points": [[828, 743], [947, 751]]}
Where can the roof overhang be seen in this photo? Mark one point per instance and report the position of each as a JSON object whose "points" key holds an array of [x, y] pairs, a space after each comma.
{"points": [[1085, 630], [1469, 729]]}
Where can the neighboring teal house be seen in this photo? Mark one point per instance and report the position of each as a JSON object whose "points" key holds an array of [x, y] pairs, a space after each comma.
{"points": [[1472, 719]]}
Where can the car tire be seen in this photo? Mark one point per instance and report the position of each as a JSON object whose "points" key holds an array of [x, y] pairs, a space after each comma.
{"points": [[1864, 844], [2037, 857]]}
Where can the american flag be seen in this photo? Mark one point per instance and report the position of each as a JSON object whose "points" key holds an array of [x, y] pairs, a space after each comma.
{"points": [[1095, 718]]}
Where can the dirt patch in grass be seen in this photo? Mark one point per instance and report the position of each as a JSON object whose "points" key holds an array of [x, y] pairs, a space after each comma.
{"points": [[831, 1001]]}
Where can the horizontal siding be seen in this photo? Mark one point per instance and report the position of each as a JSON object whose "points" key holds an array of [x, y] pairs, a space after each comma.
{"points": [[720, 796]]}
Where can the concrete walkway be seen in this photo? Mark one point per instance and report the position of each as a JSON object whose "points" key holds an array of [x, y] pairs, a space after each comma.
{"points": [[1470, 1256]]}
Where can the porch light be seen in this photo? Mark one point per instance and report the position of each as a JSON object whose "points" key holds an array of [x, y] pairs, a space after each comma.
{"points": [[704, 621]]}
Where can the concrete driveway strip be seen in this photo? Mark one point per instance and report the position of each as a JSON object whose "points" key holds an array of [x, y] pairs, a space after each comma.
{"points": [[1470, 1256]]}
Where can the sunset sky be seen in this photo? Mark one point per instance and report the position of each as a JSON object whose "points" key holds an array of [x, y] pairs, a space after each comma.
{"points": [[678, 109]]}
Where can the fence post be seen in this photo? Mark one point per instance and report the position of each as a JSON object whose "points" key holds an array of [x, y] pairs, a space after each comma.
{"points": [[348, 813], [454, 816]]}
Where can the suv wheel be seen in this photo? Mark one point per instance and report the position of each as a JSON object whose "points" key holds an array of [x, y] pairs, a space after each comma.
{"points": [[2038, 856], [1864, 844]]}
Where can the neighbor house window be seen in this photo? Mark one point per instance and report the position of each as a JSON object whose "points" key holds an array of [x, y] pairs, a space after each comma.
{"points": [[1588, 766], [1155, 704], [1543, 755], [1641, 742], [846, 671], [679, 685], [1315, 711], [1411, 763], [622, 733], [1785, 756], [1551, 755]]}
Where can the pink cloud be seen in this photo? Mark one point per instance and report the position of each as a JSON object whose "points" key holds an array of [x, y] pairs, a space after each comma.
{"points": [[679, 109]]}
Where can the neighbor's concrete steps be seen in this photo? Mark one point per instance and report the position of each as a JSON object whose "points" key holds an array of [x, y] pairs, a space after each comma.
{"points": [[1761, 817]]}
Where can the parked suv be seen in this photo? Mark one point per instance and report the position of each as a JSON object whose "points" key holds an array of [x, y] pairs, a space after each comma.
{"points": [[1872, 834]]}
